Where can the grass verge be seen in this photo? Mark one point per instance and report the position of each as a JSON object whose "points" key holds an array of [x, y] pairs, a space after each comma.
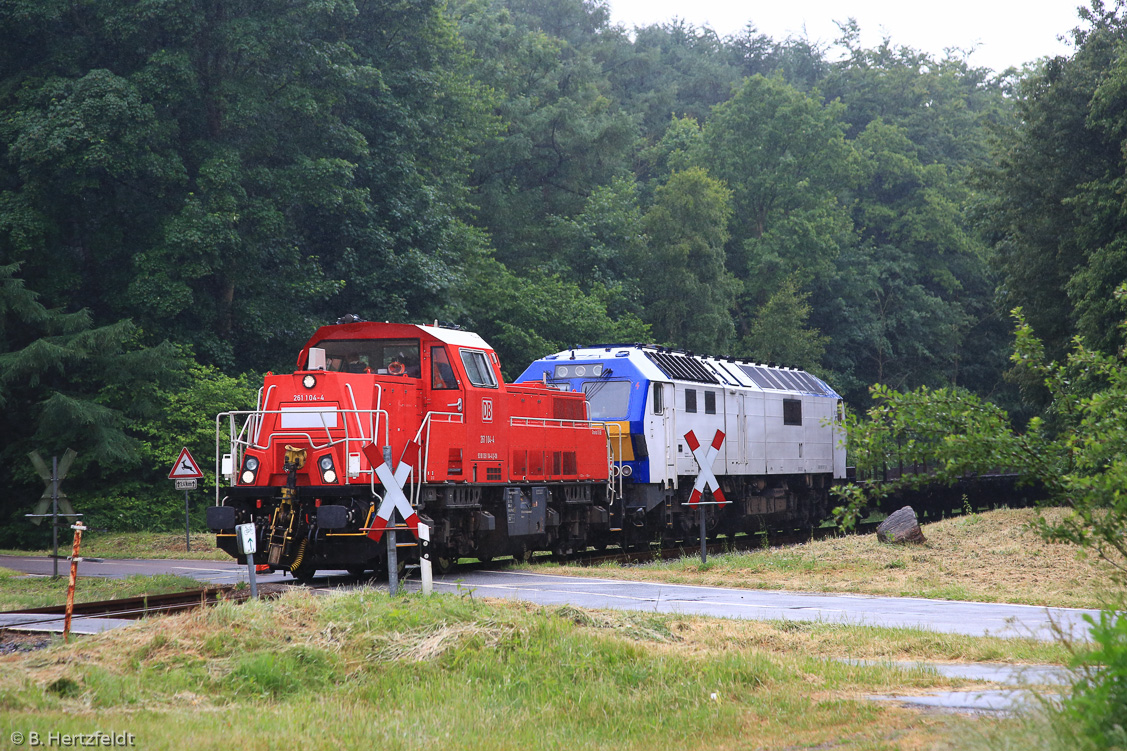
{"points": [[18, 592], [160, 545], [365, 670], [989, 557]]}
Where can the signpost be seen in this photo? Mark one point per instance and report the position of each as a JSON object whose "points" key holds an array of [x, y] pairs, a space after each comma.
{"points": [[53, 497], [425, 570], [185, 471], [706, 477], [394, 499], [248, 544]]}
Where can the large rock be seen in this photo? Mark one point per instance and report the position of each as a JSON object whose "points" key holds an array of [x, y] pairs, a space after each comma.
{"points": [[901, 527]]}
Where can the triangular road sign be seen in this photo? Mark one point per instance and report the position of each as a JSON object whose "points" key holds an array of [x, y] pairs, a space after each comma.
{"points": [[185, 467]]}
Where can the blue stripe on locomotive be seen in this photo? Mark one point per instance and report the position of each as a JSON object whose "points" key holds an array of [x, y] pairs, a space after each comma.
{"points": [[545, 370]]}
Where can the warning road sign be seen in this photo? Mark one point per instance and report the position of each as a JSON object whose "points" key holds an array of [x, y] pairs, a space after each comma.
{"points": [[185, 467], [394, 497], [705, 457]]}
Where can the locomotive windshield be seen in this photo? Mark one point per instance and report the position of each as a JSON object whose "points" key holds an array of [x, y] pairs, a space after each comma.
{"points": [[607, 400], [379, 356]]}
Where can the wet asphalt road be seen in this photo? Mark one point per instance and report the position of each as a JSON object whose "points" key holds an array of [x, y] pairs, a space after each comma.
{"points": [[946, 616]]}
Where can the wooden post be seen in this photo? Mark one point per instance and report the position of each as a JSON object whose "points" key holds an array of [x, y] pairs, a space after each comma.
{"points": [[78, 529]]}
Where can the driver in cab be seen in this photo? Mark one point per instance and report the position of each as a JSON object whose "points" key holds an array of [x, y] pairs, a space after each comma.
{"points": [[405, 363]]}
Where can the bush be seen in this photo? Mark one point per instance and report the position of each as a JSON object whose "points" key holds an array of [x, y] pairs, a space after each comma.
{"points": [[141, 498], [1097, 707]]}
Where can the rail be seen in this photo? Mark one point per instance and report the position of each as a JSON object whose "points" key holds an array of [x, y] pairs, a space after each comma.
{"points": [[616, 466], [141, 606], [549, 422], [422, 437], [240, 430], [244, 431]]}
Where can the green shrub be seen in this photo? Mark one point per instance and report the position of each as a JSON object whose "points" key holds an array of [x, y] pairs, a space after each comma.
{"points": [[1097, 706]]}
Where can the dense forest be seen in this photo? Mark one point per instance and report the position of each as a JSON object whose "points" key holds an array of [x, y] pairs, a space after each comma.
{"points": [[188, 188]]}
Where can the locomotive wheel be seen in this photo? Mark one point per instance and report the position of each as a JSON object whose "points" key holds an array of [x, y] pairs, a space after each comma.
{"points": [[380, 571], [304, 573], [442, 564]]}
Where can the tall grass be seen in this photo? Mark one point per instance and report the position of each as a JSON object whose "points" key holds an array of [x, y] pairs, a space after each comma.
{"points": [[365, 670], [18, 591]]}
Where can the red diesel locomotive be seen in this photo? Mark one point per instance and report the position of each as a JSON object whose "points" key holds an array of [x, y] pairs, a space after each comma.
{"points": [[383, 416]]}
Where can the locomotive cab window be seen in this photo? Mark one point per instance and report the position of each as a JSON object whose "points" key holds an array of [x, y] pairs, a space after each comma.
{"points": [[792, 412], [659, 399], [441, 374], [379, 356], [690, 400], [710, 402], [607, 400], [477, 369]]}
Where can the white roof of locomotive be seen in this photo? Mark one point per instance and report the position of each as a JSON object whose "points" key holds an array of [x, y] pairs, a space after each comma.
{"points": [[456, 337], [728, 373]]}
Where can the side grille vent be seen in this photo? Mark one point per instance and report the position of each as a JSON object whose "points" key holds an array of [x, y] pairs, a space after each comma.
{"points": [[568, 409]]}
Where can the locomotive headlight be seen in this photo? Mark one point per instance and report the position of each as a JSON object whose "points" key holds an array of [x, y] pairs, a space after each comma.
{"points": [[328, 471], [309, 381], [250, 470]]}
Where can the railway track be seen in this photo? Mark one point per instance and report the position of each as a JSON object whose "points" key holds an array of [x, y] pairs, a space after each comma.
{"points": [[132, 608]]}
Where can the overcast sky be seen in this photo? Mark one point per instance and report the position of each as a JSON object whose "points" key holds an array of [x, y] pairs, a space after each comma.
{"points": [[1005, 32]]}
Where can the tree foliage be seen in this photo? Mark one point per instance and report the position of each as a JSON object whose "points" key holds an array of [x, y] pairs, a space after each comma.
{"points": [[784, 157], [780, 332], [228, 175], [231, 172], [915, 286], [65, 383], [687, 289], [1077, 452], [1056, 187], [562, 136], [540, 314]]}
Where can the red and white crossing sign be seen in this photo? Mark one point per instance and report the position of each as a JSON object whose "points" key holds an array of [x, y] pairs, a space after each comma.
{"points": [[185, 467], [393, 497], [705, 458]]}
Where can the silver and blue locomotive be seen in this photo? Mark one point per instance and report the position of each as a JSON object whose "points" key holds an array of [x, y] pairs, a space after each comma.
{"points": [[776, 434]]}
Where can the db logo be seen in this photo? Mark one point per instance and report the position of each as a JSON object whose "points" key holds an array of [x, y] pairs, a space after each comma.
{"points": [[487, 410]]}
